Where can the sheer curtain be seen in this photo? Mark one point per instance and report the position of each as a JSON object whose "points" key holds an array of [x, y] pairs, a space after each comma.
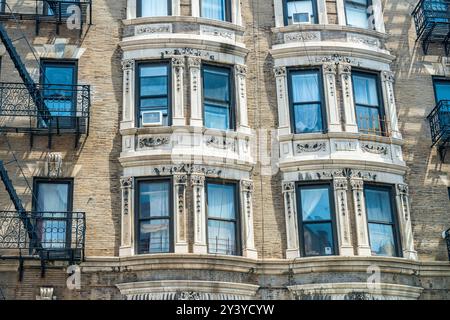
{"points": [[154, 8], [308, 117], [213, 9], [315, 204]]}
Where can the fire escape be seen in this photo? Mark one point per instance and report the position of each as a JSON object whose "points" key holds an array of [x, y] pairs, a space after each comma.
{"points": [[446, 236], [39, 109]]}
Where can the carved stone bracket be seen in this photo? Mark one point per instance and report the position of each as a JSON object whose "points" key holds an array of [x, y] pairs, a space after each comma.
{"points": [[54, 165]]}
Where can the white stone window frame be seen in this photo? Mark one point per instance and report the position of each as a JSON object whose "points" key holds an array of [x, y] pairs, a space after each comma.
{"points": [[343, 186], [378, 20], [332, 69], [279, 12], [132, 8], [236, 13]]}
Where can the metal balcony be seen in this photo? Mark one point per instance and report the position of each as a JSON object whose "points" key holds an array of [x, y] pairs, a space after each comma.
{"points": [[76, 14], [60, 236], [432, 20], [67, 110], [439, 120]]}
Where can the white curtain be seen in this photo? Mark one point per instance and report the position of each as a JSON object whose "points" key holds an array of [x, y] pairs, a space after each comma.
{"points": [[52, 197], [315, 204], [154, 8], [221, 201], [365, 90], [213, 9]]}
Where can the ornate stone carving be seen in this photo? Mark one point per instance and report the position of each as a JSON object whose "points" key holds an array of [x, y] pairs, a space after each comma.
{"points": [[345, 70], [194, 62], [345, 145], [178, 66], [357, 184], [388, 76], [153, 142], [128, 67], [54, 165], [403, 189], [127, 182], [335, 58], [217, 32], [185, 168], [329, 68], [374, 148], [302, 36], [361, 39], [221, 143], [240, 69], [311, 147], [197, 179], [46, 293], [288, 187], [247, 186], [188, 52], [153, 28], [340, 184], [280, 71], [191, 295]]}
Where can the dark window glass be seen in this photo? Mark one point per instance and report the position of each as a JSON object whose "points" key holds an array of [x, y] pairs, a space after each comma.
{"points": [[442, 89], [61, 8], [216, 9], [316, 220], [154, 217], [357, 13], [222, 219], [306, 101], [53, 202], [153, 8], [381, 220], [59, 90], [369, 110], [300, 11], [154, 90], [217, 98]]}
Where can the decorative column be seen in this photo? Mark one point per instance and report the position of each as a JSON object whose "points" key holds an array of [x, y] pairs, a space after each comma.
{"points": [[362, 232], [198, 185], [290, 209], [176, 8], [283, 101], [279, 14], [194, 64], [402, 199], [342, 21], [377, 16], [127, 236], [178, 91], [241, 101], [180, 183], [342, 217], [131, 9], [195, 8], [345, 73], [388, 80], [248, 238], [334, 119], [128, 67]]}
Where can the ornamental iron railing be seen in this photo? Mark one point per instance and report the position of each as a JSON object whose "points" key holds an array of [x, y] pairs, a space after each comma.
{"points": [[439, 120]]}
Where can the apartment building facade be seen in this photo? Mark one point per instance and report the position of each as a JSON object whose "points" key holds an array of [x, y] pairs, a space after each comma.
{"points": [[224, 149]]}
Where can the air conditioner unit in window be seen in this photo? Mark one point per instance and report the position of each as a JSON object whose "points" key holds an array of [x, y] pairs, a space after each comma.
{"points": [[152, 118], [301, 17]]}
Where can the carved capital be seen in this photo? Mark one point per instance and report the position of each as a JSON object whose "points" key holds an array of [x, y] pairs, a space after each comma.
{"points": [[54, 165], [345, 69], [194, 62], [247, 186], [197, 179], [357, 184], [127, 182], [178, 62], [402, 189], [240, 69], [340, 184], [280, 71], [128, 64], [329, 68], [180, 179], [288, 187], [388, 76]]}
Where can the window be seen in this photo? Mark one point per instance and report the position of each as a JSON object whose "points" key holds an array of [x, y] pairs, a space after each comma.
{"points": [[154, 216], [153, 8], [223, 226], [218, 98], [369, 108], [316, 220], [441, 89], [216, 9], [52, 202], [153, 94], [300, 11], [357, 13], [60, 8], [306, 101], [59, 79], [381, 220]]}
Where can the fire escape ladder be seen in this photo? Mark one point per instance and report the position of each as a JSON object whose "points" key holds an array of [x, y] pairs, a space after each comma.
{"points": [[31, 86]]}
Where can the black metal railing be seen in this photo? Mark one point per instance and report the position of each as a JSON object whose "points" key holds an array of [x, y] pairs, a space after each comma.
{"points": [[67, 109], [60, 235], [432, 20], [439, 120], [221, 246], [373, 125], [447, 239]]}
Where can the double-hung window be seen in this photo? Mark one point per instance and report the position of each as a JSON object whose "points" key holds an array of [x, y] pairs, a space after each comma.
{"points": [[316, 220], [154, 216], [358, 14], [223, 218], [381, 218], [368, 103], [218, 99], [300, 12], [63, 9], [442, 94], [153, 94], [153, 8], [216, 9], [306, 94]]}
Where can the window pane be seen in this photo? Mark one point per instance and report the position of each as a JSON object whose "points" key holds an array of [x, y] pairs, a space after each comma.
{"points": [[382, 239], [318, 239], [357, 15], [369, 120], [214, 9], [217, 117], [154, 104], [365, 88], [315, 203], [308, 118], [216, 84], [59, 75], [53, 197], [221, 201], [442, 90], [378, 204], [154, 80], [154, 236], [298, 11], [221, 237], [154, 8], [305, 87], [154, 199]]}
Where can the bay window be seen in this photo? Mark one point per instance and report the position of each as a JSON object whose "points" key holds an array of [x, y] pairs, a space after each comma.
{"points": [[216, 9], [382, 221], [218, 98], [368, 103], [153, 8], [358, 14], [306, 101], [223, 218], [300, 12], [316, 220], [154, 216]]}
